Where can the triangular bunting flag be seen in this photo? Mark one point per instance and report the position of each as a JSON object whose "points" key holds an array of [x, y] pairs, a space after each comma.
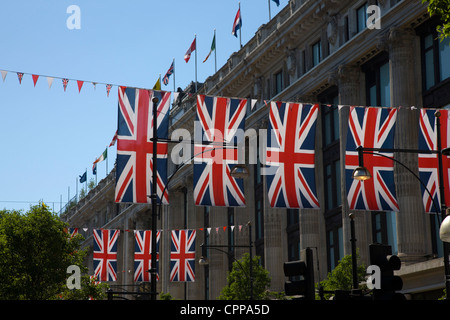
{"points": [[20, 76], [49, 81], [108, 89], [4, 73], [65, 82], [253, 103], [80, 84], [35, 78]]}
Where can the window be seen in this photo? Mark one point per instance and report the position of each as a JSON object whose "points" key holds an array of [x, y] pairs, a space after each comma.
{"points": [[278, 82], [361, 18], [378, 86], [316, 53], [336, 247], [333, 185], [435, 66], [293, 234], [384, 229]]}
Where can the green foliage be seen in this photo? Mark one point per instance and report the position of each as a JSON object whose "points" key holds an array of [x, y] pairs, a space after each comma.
{"points": [[35, 252], [341, 278], [238, 287], [440, 8]]}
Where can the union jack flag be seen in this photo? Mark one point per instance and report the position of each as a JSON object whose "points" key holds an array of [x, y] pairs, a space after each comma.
{"points": [[182, 256], [135, 148], [105, 254], [168, 74], [221, 119], [371, 128], [428, 163], [290, 153], [143, 254]]}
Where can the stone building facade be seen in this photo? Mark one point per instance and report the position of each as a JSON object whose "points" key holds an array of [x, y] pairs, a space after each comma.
{"points": [[316, 52]]}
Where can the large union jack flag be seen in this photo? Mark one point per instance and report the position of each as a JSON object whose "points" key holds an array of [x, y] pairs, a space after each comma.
{"points": [[143, 255], [135, 148], [221, 119], [105, 254], [371, 128], [182, 256], [290, 155], [428, 162]]}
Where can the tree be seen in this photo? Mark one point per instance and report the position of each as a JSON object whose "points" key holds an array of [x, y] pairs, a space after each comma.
{"points": [[341, 278], [35, 252], [238, 287], [440, 8]]}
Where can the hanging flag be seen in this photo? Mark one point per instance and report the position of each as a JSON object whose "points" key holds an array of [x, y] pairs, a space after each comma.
{"points": [[80, 84], [237, 24], [50, 81], [213, 47], [191, 49], [108, 89], [20, 76], [182, 256], [143, 255], [290, 155], [429, 163], [114, 139], [83, 177], [94, 169], [371, 128], [277, 2], [73, 232], [157, 85], [4, 73], [105, 254], [35, 78], [65, 82], [135, 148], [220, 119], [168, 74]]}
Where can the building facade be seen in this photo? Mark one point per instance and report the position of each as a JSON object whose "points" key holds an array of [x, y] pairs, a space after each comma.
{"points": [[322, 52]]}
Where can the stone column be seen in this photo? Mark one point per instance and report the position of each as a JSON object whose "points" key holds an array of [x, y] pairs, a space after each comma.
{"points": [[412, 238], [350, 82]]}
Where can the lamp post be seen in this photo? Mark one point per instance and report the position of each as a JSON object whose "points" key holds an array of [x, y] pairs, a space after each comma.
{"points": [[362, 173], [204, 261]]}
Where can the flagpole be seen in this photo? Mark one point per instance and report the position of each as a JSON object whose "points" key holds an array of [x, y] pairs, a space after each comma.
{"points": [[240, 28], [215, 51], [196, 63], [270, 18], [173, 74], [154, 198]]}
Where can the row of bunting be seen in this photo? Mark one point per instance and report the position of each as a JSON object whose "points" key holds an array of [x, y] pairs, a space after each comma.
{"points": [[290, 153], [182, 254]]}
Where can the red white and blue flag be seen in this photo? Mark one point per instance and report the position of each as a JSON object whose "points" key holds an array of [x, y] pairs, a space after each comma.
{"points": [[182, 256], [371, 128], [168, 74], [237, 24], [134, 179], [428, 162], [143, 255], [290, 155], [221, 120], [105, 254]]}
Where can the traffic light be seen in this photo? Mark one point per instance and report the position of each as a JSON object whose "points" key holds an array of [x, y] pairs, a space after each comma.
{"points": [[381, 256], [303, 272]]}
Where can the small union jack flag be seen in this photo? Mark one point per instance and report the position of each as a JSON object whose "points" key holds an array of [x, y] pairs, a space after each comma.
{"points": [[220, 119], [105, 254], [168, 74], [182, 256], [371, 128], [290, 155], [428, 162], [143, 255], [134, 178]]}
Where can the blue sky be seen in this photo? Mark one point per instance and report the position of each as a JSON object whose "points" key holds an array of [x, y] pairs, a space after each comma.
{"points": [[48, 136]]}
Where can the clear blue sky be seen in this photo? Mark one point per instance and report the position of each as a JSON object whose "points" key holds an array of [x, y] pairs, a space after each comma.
{"points": [[49, 137]]}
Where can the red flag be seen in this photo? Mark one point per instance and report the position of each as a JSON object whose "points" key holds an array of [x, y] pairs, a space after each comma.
{"points": [[187, 55], [80, 84], [35, 78]]}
